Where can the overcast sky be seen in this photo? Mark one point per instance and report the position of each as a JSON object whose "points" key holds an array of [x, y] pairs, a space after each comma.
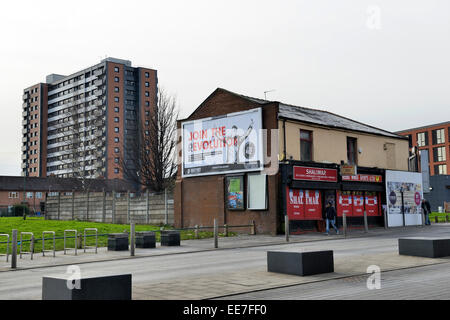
{"points": [[384, 63]]}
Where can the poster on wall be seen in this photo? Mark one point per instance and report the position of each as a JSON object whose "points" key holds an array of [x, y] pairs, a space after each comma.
{"points": [[224, 144], [295, 204], [358, 204], [235, 193], [371, 199], [404, 191], [344, 203]]}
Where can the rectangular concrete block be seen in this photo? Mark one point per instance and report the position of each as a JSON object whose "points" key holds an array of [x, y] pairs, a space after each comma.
{"points": [[300, 263], [424, 247], [115, 287], [145, 239], [170, 238], [117, 242]]}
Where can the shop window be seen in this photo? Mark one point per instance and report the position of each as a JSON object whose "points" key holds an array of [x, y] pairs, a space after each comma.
{"points": [[306, 145], [352, 156], [256, 192], [235, 192]]}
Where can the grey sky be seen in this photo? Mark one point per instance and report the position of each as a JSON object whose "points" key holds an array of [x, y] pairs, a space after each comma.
{"points": [[324, 54]]}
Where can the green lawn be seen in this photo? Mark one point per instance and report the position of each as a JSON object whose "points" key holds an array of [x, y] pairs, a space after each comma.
{"points": [[38, 225], [441, 216]]}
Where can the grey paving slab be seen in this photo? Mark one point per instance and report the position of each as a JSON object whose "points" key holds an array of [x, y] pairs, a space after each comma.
{"points": [[428, 282], [237, 269]]}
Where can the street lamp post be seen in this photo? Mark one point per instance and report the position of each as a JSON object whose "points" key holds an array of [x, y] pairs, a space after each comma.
{"points": [[403, 205]]}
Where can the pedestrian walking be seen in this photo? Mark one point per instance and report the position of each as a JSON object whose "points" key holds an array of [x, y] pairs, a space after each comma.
{"points": [[426, 211], [330, 216]]}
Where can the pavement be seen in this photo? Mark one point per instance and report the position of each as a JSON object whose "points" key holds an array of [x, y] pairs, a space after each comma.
{"points": [[196, 270], [430, 282]]}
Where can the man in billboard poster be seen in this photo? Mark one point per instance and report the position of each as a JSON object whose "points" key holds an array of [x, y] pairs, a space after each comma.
{"points": [[233, 148]]}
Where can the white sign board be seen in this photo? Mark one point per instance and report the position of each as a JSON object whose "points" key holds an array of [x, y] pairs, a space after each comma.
{"points": [[225, 144], [404, 189]]}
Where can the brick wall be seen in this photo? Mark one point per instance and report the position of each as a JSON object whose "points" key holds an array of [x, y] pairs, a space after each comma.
{"points": [[199, 200]]}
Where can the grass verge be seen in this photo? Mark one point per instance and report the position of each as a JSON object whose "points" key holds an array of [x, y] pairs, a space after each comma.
{"points": [[38, 225]]}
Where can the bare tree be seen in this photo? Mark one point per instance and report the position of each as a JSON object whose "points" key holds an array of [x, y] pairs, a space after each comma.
{"points": [[150, 160]]}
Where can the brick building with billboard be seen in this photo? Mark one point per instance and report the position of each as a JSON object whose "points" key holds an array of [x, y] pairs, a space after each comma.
{"points": [[233, 171]]}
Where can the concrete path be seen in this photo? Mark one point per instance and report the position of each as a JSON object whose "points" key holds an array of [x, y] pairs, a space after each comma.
{"points": [[197, 271], [424, 283]]}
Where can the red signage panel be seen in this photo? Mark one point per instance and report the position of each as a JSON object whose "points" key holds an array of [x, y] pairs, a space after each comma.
{"points": [[315, 174], [313, 205], [363, 178], [358, 203], [295, 204], [303, 204], [344, 203]]}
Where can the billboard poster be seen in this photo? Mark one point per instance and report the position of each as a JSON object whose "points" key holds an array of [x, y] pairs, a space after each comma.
{"points": [[225, 144], [235, 193], [404, 190]]}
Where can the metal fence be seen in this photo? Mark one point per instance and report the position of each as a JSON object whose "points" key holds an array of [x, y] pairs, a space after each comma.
{"points": [[113, 207], [80, 240]]}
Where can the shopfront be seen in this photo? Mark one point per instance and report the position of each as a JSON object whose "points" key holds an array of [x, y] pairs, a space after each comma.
{"points": [[307, 188]]}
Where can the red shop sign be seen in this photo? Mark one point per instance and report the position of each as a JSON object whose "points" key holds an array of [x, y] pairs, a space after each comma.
{"points": [[363, 178], [315, 174]]}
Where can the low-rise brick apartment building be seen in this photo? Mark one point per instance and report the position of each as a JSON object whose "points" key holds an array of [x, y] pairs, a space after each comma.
{"points": [[435, 140]]}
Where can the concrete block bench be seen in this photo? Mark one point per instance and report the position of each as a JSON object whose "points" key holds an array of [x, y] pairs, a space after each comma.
{"points": [[170, 238], [115, 287], [145, 239], [300, 263], [117, 241], [424, 247]]}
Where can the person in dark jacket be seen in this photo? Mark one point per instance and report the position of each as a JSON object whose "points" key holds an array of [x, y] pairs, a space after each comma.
{"points": [[330, 216], [426, 211]]}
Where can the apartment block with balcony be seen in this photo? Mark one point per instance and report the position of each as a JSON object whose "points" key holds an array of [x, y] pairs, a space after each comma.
{"points": [[82, 125]]}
